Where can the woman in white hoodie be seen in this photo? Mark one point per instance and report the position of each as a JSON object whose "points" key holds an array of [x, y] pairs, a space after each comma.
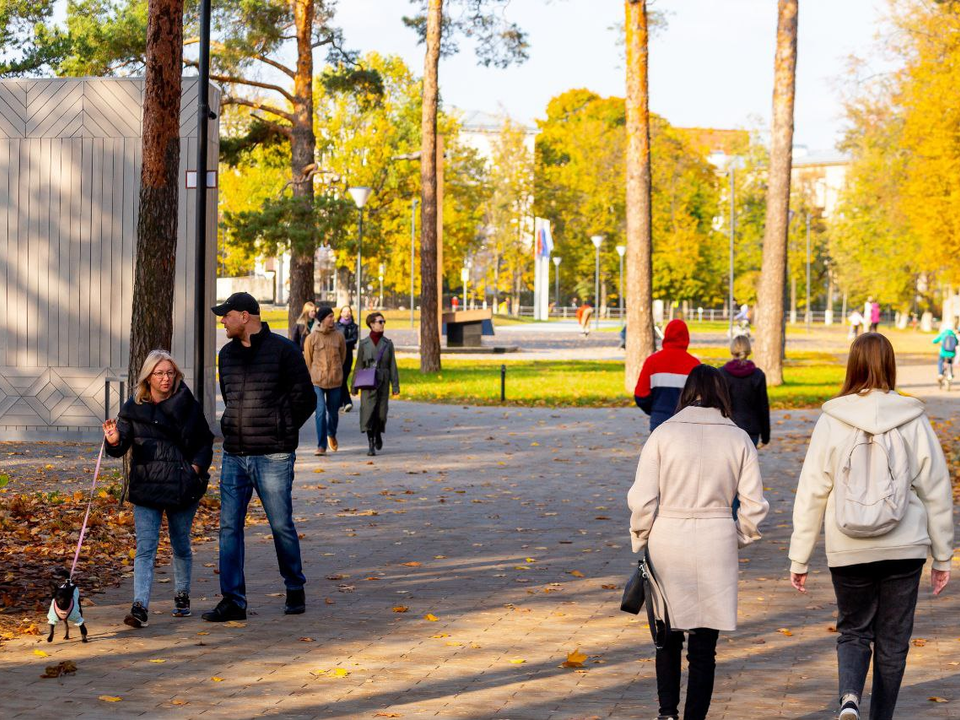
{"points": [[876, 579]]}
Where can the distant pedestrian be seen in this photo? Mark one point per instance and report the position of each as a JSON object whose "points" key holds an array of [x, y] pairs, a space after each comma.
{"points": [[664, 373], [876, 476], [748, 392], [376, 351], [874, 316], [584, 313], [304, 324], [351, 334], [947, 339], [325, 353], [691, 469], [856, 323], [172, 449], [268, 396]]}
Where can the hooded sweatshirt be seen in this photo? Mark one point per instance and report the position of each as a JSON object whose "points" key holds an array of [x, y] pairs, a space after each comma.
{"points": [[926, 528], [664, 374], [748, 397]]}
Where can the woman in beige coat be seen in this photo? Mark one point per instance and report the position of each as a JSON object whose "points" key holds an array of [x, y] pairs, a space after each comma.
{"points": [[691, 469]]}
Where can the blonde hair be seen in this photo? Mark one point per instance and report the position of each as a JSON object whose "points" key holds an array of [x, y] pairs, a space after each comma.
{"points": [[155, 357], [740, 347], [305, 313]]}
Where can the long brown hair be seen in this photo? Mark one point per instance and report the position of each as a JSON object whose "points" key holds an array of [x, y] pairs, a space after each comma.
{"points": [[871, 365], [706, 387]]}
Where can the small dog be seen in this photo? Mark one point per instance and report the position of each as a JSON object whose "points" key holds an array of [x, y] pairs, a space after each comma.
{"points": [[65, 606]]}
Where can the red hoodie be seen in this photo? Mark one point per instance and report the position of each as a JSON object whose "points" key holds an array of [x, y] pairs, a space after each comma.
{"points": [[664, 374]]}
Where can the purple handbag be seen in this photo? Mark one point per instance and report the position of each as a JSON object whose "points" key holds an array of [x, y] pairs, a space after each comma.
{"points": [[366, 378]]}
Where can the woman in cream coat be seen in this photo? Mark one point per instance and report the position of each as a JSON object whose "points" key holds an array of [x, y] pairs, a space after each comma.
{"points": [[691, 469], [876, 579]]}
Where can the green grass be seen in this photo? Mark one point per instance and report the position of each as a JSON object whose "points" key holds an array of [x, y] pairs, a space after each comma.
{"points": [[811, 378]]}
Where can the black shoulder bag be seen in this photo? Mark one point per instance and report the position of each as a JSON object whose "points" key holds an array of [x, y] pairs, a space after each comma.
{"points": [[643, 589]]}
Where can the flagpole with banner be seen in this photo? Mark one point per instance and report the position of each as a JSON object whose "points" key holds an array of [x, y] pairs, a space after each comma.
{"points": [[543, 246]]}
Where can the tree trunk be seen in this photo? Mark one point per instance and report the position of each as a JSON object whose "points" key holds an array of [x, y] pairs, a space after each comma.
{"points": [[770, 296], [429, 311], [302, 156], [155, 269], [639, 287]]}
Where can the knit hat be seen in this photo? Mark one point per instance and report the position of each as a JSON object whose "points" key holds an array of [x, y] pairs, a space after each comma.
{"points": [[323, 311]]}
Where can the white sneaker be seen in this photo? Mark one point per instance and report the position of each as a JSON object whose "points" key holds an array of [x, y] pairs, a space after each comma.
{"points": [[849, 708]]}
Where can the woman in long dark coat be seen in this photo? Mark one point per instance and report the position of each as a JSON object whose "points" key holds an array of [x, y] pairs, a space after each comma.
{"points": [[374, 402]]}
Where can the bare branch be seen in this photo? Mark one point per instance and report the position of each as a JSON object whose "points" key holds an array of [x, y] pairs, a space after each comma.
{"points": [[233, 100], [244, 81]]}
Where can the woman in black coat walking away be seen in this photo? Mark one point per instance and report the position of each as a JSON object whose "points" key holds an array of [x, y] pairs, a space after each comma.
{"points": [[748, 392], [351, 333], [304, 325], [376, 351], [172, 450]]}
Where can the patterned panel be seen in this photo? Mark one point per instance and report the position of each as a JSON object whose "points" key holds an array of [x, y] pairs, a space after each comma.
{"points": [[54, 108], [54, 395], [13, 109]]}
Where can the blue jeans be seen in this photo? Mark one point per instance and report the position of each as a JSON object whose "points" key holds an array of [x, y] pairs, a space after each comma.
{"points": [[147, 524], [272, 477], [327, 414], [941, 361]]}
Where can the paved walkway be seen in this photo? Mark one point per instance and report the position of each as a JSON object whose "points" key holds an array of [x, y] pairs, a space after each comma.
{"points": [[504, 535]]}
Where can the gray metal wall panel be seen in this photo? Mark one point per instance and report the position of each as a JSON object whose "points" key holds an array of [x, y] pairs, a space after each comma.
{"points": [[68, 223]]}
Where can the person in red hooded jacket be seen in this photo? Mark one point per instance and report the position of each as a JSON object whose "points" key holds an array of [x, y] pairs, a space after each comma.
{"points": [[664, 374]]}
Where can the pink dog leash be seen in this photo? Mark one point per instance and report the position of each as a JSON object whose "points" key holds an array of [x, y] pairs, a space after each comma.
{"points": [[86, 517]]}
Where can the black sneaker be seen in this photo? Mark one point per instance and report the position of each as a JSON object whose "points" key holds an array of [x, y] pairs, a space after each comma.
{"points": [[850, 708], [296, 602], [224, 611], [181, 605], [137, 617]]}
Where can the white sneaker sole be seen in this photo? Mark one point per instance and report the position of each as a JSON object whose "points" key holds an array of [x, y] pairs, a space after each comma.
{"points": [[849, 714]]}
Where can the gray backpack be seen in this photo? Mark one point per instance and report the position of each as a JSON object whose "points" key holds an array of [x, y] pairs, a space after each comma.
{"points": [[872, 490]]}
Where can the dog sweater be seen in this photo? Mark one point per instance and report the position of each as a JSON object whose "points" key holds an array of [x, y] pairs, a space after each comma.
{"points": [[75, 617]]}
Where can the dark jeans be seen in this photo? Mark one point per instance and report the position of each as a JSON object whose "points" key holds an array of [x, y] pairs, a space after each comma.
{"points": [[876, 602], [327, 414], [345, 398], [272, 477], [701, 661]]}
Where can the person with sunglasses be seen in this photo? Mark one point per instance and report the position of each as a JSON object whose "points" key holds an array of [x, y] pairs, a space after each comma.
{"points": [[376, 351]]}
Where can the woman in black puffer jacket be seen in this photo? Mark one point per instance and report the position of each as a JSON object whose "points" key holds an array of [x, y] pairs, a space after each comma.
{"points": [[748, 392], [172, 450]]}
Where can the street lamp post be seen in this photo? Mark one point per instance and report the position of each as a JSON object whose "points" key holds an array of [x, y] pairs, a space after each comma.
{"points": [[733, 231], [597, 242], [380, 276], [465, 277], [808, 314], [556, 280], [360, 196], [413, 255], [621, 250]]}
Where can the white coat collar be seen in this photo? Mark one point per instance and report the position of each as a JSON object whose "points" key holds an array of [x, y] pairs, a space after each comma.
{"points": [[694, 415]]}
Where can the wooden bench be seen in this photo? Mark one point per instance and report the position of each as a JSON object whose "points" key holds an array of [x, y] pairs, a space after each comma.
{"points": [[465, 327]]}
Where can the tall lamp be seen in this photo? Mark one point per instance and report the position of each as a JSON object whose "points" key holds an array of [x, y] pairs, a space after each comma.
{"points": [[597, 242], [360, 196], [621, 250], [556, 280]]}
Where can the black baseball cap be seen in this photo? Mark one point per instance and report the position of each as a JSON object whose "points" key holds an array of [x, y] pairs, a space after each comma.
{"points": [[241, 302]]}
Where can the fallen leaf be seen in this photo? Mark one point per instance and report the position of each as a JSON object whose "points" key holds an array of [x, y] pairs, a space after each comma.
{"points": [[40, 653], [784, 631], [203, 632], [306, 639], [387, 714], [431, 617], [919, 642], [217, 679], [234, 623], [517, 661], [575, 573], [574, 659], [412, 563], [110, 698], [179, 702], [158, 660], [937, 699], [400, 608], [66, 667]]}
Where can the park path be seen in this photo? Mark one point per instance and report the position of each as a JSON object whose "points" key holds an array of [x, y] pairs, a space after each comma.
{"points": [[509, 527]]}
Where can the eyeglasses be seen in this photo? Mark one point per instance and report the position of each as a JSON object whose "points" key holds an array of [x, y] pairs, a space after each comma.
{"points": [[379, 322], [164, 374]]}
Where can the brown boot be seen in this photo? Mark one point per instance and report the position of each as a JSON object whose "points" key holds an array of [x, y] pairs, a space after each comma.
{"points": [[332, 442]]}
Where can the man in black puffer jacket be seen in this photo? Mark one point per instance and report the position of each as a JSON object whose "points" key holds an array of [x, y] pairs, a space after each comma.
{"points": [[268, 395]]}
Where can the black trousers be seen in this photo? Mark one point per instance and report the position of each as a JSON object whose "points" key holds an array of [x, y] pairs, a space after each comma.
{"points": [[702, 664], [876, 603]]}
